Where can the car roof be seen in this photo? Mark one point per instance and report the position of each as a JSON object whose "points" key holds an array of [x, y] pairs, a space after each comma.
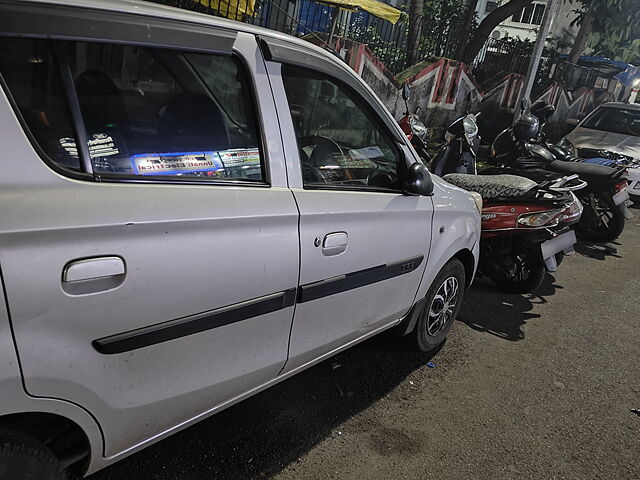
{"points": [[628, 106], [150, 9]]}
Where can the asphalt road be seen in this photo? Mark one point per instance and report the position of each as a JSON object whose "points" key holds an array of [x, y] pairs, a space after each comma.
{"points": [[527, 386]]}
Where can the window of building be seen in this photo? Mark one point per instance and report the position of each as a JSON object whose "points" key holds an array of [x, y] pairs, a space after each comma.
{"points": [[538, 13], [532, 14]]}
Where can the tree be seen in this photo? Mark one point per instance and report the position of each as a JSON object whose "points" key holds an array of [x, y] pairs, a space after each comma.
{"points": [[488, 24], [612, 19], [416, 11]]}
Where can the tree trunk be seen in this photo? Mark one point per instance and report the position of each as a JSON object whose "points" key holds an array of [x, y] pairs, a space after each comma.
{"points": [[583, 36], [466, 29], [416, 12], [487, 25]]}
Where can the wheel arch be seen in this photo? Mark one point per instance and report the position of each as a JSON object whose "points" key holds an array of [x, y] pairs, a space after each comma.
{"points": [[468, 262]]}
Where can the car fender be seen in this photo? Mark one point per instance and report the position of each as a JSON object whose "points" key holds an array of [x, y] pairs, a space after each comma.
{"points": [[455, 228]]}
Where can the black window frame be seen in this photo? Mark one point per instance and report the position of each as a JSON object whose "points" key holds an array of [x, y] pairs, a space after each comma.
{"points": [[361, 102], [171, 35]]}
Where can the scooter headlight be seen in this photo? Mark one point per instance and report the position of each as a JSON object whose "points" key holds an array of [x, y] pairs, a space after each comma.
{"points": [[568, 146], [418, 128], [548, 218]]}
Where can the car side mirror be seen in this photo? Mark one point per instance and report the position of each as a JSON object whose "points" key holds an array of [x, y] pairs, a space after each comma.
{"points": [[573, 122], [417, 180]]}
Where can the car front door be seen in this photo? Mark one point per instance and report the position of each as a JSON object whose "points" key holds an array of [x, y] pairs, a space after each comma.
{"points": [[364, 244], [167, 289]]}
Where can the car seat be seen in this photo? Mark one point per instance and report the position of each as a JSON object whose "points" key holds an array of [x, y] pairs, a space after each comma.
{"points": [[192, 121], [101, 102]]}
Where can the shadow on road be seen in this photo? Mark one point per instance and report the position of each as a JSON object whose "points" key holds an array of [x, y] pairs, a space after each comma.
{"points": [[487, 309], [261, 435], [597, 251]]}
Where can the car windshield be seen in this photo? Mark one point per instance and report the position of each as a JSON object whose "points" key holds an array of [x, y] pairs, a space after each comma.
{"points": [[615, 120]]}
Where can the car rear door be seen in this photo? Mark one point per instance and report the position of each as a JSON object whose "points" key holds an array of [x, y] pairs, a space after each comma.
{"points": [[150, 272], [364, 244]]}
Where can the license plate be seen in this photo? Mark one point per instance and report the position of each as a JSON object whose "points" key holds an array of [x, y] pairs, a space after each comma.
{"points": [[558, 244], [620, 197]]}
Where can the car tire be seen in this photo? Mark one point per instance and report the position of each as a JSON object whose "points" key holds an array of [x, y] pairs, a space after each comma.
{"points": [[23, 457], [440, 308]]}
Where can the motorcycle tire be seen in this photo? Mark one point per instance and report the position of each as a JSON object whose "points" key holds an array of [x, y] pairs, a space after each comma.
{"points": [[528, 285], [609, 230], [534, 273]]}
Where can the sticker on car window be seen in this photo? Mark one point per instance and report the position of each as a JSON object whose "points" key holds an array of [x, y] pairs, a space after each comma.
{"points": [[100, 145], [239, 156], [175, 163]]}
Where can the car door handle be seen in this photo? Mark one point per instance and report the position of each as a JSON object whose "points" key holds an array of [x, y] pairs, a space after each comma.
{"points": [[91, 275], [335, 243]]}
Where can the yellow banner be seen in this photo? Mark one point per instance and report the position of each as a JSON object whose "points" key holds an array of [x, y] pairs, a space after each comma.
{"points": [[379, 9], [233, 9]]}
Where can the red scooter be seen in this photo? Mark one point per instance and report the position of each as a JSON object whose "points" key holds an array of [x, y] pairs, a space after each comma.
{"points": [[526, 228]]}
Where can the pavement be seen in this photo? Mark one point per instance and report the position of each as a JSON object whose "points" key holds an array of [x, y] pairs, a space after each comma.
{"points": [[526, 387]]}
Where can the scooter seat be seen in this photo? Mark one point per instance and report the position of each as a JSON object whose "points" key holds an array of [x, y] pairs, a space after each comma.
{"points": [[493, 186], [588, 172]]}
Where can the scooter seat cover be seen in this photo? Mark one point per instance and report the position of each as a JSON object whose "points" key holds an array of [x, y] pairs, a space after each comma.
{"points": [[583, 170], [492, 186]]}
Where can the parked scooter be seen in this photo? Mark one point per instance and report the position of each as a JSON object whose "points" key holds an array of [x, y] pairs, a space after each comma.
{"points": [[604, 198], [526, 228], [415, 130]]}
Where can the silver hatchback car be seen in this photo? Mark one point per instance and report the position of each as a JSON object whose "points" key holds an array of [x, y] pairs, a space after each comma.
{"points": [[193, 210]]}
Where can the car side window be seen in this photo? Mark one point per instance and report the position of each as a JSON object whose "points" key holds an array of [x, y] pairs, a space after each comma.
{"points": [[342, 143], [159, 113], [29, 70]]}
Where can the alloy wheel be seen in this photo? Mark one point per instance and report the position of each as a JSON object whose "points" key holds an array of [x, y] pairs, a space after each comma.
{"points": [[442, 306]]}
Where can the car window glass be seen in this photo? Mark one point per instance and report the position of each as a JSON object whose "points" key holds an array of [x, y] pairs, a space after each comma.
{"points": [[615, 120], [342, 143], [150, 112], [147, 112], [32, 76]]}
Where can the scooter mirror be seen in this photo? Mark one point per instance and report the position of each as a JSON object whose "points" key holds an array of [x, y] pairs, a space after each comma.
{"points": [[406, 92], [525, 104]]}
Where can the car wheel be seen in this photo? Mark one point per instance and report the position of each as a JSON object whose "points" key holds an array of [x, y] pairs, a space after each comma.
{"points": [[441, 306], [22, 457]]}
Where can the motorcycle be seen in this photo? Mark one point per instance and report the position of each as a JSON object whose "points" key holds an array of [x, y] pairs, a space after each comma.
{"points": [[604, 196], [414, 129], [526, 228]]}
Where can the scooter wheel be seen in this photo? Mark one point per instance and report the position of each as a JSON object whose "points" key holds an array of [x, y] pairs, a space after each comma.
{"points": [[534, 276], [604, 224]]}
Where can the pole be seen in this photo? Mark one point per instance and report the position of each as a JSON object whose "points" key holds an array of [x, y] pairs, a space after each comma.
{"points": [[538, 47], [334, 21]]}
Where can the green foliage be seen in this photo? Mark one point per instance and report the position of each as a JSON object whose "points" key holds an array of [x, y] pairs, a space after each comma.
{"points": [[614, 47], [443, 22], [616, 29], [390, 52]]}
